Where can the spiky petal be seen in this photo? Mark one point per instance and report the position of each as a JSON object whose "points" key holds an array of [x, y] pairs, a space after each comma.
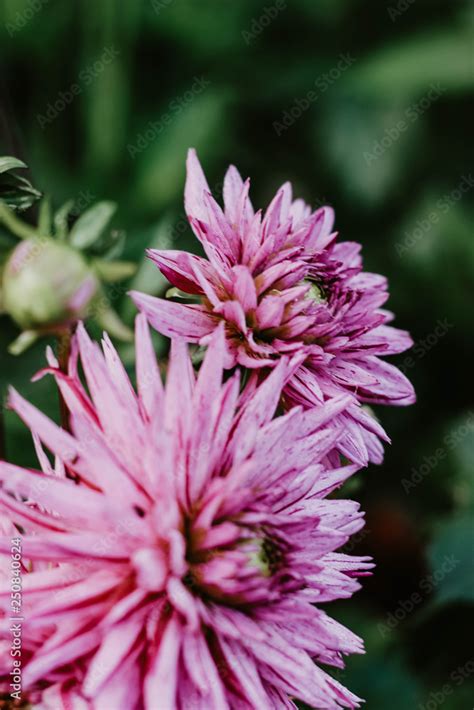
{"points": [[187, 535]]}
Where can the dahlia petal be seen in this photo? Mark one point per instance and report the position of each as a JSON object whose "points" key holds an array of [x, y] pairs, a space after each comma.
{"points": [[68, 652], [206, 403], [113, 397], [122, 690], [269, 313], [150, 387], [274, 214], [232, 192], [392, 387], [56, 439], [383, 340], [321, 232], [223, 234], [76, 503], [233, 312], [196, 185], [102, 467], [191, 649], [112, 653], [59, 697], [120, 379], [162, 676], [258, 410], [151, 567], [28, 515], [243, 667], [180, 386], [177, 266], [175, 320], [244, 288]]}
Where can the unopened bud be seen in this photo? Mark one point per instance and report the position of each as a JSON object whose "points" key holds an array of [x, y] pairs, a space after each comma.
{"points": [[47, 284]]}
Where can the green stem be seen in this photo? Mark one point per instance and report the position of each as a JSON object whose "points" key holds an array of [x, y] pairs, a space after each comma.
{"points": [[64, 351], [15, 225]]}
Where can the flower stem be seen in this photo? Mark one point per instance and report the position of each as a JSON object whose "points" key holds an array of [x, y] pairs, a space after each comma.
{"points": [[15, 225], [64, 352]]}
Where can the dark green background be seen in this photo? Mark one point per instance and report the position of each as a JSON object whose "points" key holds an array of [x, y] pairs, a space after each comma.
{"points": [[412, 65]]}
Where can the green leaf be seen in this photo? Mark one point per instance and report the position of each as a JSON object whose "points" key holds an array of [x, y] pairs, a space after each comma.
{"points": [[24, 341], [110, 321], [9, 163], [451, 560], [409, 66], [60, 219], [16, 191], [44, 223], [16, 226], [91, 224], [110, 271]]}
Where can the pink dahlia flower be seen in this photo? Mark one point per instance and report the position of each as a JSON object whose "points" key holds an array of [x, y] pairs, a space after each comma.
{"points": [[282, 284], [187, 544]]}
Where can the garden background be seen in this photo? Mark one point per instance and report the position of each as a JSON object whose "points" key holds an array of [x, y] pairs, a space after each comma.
{"points": [[362, 105]]}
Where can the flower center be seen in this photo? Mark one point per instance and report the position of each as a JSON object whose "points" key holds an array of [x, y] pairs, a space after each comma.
{"points": [[242, 571], [267, 556], [316, 292]]}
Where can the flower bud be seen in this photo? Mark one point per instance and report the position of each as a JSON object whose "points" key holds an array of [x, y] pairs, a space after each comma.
{"points": [[46, 284]]}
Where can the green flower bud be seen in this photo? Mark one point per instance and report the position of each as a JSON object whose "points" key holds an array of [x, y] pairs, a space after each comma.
{"points": [[47, 284]]}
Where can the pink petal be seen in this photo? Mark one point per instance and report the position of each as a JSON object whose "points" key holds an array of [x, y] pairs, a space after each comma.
{"points": [[191, 322]]}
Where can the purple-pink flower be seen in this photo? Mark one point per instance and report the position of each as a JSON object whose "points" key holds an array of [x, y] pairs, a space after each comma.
{"points": [[183, 543], [282, 284]]}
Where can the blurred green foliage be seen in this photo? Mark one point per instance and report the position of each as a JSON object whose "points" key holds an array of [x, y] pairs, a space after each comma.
{"points": [[102, 100]]}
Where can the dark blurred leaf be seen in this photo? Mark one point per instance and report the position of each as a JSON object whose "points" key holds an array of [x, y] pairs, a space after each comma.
{"points": [[453, 548], [15, 190], [409, 66]]}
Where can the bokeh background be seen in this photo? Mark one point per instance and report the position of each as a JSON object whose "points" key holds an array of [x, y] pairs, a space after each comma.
{"points": [[362, 105]]}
